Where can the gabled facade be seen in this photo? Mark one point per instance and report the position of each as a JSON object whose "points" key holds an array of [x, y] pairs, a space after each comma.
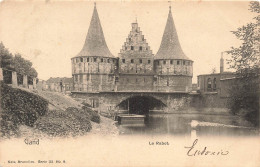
{"points": [[135, 62]]}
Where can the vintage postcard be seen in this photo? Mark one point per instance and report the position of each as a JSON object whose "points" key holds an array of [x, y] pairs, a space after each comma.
{"points": [[129, 83]]}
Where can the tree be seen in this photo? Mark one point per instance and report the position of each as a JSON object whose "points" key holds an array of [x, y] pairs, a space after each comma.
{"points": [[245, 59], [6, 58], [23, 66]]}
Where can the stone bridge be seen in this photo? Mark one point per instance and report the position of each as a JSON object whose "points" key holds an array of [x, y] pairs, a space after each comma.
{"points": [[134, 102]]}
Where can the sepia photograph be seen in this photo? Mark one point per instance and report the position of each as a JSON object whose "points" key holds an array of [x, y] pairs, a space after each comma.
{"points": [[129, 83]]}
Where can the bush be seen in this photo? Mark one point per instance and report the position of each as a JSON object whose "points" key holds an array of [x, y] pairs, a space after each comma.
{"points": [[19, 107], [60, 123], [94, 116]]}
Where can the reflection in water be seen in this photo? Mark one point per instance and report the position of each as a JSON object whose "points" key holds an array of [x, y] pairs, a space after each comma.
{"points": [[192, 125]]}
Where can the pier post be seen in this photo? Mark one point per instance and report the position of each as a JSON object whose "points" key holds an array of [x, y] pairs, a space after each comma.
{"points": [[25, 81], [14, 78]]}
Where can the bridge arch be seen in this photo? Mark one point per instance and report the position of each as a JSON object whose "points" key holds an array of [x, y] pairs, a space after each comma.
{"points": [[138, 104]]}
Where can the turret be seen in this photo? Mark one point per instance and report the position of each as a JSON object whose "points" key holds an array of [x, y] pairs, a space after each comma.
{"points": [[93, 68], [173, 67]]}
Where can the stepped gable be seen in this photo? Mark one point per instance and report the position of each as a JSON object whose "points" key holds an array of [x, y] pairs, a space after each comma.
{"points": [[136, 43], [170, 47], [95, 44]]}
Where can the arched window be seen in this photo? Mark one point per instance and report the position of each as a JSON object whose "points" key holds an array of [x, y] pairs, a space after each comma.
{"points": [[209, 82], [214, 84]]}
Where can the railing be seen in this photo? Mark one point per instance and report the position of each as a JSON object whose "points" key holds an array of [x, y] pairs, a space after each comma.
{"points": [[130, 88]]}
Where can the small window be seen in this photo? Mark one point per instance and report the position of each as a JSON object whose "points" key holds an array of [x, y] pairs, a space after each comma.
{"points": [[209, 83], [142, 38], [140, 48], [149, 61], [132, 47], [102, 60], [171, 61], [108, 60], [123, 60], [184, 62], [214, 83], [140, 61], [132, 60], [164, 61], [125, 48], [88, 59], [81, 59], [95, 59], [178, 62]]}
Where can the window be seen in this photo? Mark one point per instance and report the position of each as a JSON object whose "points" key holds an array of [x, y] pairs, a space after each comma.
{"points": [[125, 48], [136, 80], [142, 38], [209, 83], [81, 59], [214, 84], [149, 61], [76, 78], [140, 48], [77, 60], [183, 62], [140, 61], [132, 60], [81, 78], [88, 59], [87, 77], [171, 61], [123, 60], [108, 60], [164, 61], [102, 60], [132, 47], [95, 59], [178, 62]]}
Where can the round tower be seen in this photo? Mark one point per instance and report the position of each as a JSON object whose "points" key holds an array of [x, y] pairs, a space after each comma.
{"points": [[173, 68], [93, 68]]}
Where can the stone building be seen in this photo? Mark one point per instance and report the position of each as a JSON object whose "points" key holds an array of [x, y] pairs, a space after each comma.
{"points": [[174, 70], [93, 69], [218, 83], [59, 84], [136, 69]]}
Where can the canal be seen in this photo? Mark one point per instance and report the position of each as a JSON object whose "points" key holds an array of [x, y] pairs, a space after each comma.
{"points": [[191, 125]]}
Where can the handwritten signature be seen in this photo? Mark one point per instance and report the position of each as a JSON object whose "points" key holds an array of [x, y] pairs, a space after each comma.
{"points": [[192, 151]]}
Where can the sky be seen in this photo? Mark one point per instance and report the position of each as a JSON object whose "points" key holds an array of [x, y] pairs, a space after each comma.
{"points": [[49, 33]]}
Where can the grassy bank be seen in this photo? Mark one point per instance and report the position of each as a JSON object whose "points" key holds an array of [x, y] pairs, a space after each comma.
{"points": [[50, 113]]}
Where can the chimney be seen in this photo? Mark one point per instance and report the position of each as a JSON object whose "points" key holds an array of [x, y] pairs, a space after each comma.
{"points": [[221, 63]]}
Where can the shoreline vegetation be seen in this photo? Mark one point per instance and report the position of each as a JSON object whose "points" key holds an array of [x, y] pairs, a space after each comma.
{"points": [[46, 114]]}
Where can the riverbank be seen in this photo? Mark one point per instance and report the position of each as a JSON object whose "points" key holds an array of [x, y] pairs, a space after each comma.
{"points": [[64, 116]]}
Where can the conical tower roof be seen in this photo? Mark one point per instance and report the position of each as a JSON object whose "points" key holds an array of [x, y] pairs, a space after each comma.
{"points": [[170, 46], [95, 44]]}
